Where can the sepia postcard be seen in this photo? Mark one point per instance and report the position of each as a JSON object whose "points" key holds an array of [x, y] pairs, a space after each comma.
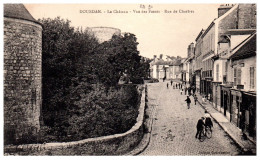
{"points": [[129, 79]]}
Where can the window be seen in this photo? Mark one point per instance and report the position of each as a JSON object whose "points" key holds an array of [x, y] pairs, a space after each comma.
{"points": [[217, 72], [252, 77]]}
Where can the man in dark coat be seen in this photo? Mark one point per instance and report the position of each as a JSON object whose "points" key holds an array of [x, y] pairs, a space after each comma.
{"points": [[189, 91], [200, 126], [188, 102]]}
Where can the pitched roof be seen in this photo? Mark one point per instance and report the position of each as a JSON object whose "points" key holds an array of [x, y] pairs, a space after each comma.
{"points": [[199, 35], [18, 11], [245, 49], [219, 19]]}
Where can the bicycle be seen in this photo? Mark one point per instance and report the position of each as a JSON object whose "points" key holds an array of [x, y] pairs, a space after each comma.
{"points": [[206, 132]]}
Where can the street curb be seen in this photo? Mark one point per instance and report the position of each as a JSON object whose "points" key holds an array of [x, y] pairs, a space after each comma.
{"points": [[146, 138], [241, 146]]}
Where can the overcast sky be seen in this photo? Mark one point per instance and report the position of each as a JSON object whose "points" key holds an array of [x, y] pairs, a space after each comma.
{"points": [[157, 33]]}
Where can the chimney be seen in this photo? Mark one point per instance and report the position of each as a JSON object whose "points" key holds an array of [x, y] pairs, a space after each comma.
{"points": [[192, 45], [192, 49], [223, 8], [161, 55]]}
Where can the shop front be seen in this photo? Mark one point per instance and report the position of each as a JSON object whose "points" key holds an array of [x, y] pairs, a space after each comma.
{"points": [[249, 106], [226, 101], [236, 101], [203, 87], [208, 88], [197, 81]]}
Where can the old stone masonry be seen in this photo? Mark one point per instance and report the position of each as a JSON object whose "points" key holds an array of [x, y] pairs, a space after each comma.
{"points": [[22, 73]]}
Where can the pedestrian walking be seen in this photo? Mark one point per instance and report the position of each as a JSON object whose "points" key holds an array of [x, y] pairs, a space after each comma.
{"points": [[176, 85], [195, 98], [181, 91], [171, 82], [194, 90], [200, 126], [185, 90], [188, 102], [189, 91], [179, 85], [167, 85]]}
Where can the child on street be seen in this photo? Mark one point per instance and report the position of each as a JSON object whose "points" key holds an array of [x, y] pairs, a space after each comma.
{"points": [[195, 98]]}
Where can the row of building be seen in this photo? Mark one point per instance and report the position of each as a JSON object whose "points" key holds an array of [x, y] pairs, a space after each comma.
{"points": [[165, 67], [221, 64]]}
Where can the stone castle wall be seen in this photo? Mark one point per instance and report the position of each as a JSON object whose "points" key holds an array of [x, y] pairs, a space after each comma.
{"points": [[22, 79]]}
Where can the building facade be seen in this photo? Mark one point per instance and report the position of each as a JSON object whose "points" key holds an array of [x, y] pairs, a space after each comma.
{"points": [[243, 92], [225, 64], [165, 67], [198, 61]]}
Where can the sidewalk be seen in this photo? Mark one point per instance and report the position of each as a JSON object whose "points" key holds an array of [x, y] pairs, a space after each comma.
{"points": [[247, 146]]}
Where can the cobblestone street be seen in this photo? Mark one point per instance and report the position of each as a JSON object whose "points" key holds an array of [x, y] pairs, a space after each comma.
{"points": [[174, 126]]}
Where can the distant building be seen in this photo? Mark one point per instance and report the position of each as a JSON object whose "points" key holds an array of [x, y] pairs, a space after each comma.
{"points": [[165, 67], [104, 33], [187, 66]]}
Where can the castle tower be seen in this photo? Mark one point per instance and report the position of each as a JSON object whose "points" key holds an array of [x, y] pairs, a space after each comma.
{"points": [[104, 33], [22, 74]]}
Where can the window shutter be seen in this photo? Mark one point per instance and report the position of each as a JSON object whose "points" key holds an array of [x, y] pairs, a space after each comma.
{"points": [[252, 77], [217, 72], [239, 76], [235, 76]]}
